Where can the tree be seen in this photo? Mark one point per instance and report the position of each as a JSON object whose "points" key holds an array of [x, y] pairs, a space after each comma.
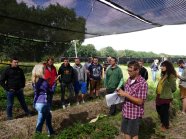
{"points": [[54, 15], [121, 53], [108, 51], [82, 51], [87, 51]]}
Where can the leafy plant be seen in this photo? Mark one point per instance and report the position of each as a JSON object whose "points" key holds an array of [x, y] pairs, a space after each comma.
{"points": [[2, 93], [98, 130]]}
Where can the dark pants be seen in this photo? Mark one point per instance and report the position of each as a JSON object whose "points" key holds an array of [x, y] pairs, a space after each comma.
{"points": [[163, 112], [88, 82], [10, 102], [71, 92], [112, 110], [50, 97]]}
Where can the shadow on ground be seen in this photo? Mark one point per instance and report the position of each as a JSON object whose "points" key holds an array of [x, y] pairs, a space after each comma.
{"points": [[147, 128]]}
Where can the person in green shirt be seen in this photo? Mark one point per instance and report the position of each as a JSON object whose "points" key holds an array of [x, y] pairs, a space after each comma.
{"points": [[113, 80], [165, 89]]}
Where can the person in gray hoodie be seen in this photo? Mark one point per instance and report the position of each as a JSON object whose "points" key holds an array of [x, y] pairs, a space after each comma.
{"points": [[80, 80], [182, 84]]}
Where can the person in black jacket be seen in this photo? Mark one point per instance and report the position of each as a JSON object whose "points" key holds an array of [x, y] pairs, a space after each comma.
{"points": [[143, 70], [13, 82], [67, 77]]}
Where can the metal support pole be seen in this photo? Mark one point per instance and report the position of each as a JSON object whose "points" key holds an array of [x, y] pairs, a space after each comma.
{"points": [[75, 48]]}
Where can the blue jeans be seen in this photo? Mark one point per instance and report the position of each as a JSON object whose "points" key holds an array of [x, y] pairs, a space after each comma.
{"points": [[43, 114], [10, 102], [154, 75]]}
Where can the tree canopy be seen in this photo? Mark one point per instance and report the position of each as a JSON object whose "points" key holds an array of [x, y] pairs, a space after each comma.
{"points": [[38, 31]]}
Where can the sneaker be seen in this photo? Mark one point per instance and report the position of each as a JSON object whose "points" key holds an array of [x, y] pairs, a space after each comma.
{"points": [[68, 105], [184, 113], [77, 103], [51, 134], [83, 101], [63, 106]]}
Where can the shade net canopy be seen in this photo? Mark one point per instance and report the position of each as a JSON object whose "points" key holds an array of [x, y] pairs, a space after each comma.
{"points": [[107, 17]]}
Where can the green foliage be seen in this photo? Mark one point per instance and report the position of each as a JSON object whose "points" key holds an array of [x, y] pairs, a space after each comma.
{"points": [[136, 54], [108, 51], [2, 67], [82, 51], [96, 130], [88, 50], [151, 91], [2, 94], [176, 100], [53, 15], [2, 98], [104, 130], [121, 53]]}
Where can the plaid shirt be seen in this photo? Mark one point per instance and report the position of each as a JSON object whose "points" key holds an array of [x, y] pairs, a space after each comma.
{"points": [[137, 89]]}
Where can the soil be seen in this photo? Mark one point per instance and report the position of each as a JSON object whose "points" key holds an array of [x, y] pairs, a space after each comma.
{"points": [[25, 127]]}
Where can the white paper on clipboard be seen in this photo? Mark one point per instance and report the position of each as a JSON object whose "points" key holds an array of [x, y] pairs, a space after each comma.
{"points": [[113, 98]]}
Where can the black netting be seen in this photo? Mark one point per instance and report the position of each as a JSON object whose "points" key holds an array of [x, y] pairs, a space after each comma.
{"points": [[102, 17]]}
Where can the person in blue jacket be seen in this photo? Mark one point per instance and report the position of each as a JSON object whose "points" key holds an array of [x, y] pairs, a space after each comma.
{"points": [[41, 99]]}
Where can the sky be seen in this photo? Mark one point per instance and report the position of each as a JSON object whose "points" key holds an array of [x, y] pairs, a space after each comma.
{"points": [[167, 39]]}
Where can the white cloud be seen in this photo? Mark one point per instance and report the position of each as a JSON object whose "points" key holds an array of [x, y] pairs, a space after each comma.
{"points": [[166, 39], [29, 3], [65, 3]]}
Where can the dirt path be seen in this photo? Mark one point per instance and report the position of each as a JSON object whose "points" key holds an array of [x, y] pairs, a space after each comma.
{"points": [[25, 127], [178, 127], [177, 124]]}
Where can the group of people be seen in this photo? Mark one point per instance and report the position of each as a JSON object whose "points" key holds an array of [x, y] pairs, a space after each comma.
{"points": [[77, 78], [135, 93], [44, 81]]}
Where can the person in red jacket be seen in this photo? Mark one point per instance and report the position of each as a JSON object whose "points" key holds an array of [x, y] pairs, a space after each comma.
{"points": [[50, 74]]}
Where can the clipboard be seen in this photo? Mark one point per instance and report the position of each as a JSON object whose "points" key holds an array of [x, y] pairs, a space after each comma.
{"points": [[112, 99]]}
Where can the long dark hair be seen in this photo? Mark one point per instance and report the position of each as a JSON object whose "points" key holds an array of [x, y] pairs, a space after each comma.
{"points": [[169, 68]]}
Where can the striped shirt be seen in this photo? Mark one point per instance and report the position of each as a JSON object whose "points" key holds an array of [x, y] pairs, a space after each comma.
{"points": [[138, 89]]}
